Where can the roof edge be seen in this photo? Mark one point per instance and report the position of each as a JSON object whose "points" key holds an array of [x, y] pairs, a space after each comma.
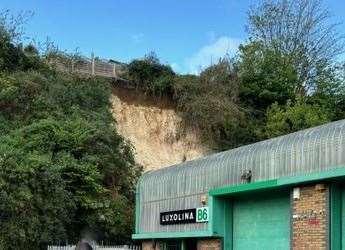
{"points": [[300, 132]]}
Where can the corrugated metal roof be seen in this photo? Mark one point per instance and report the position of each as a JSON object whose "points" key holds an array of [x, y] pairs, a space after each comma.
{"points": [[180, 186]]}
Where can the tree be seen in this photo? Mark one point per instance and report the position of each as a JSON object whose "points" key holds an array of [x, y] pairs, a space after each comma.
{"points": [[287, 69], [266, 77], [12, 27], [293, 117], [12, 56], [300, 30], [330, 90], [210, 102], [35, 207]]}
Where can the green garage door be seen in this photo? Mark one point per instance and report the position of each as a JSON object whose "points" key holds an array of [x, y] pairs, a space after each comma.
{"points": [[262, 222]]}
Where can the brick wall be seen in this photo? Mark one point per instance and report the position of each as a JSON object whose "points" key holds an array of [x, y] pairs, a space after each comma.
{"points": [[150, 245], [310, 218], [209, 244]]}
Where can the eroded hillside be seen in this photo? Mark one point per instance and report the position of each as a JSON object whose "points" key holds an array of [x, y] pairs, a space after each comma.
{"points": [[154, 130]]}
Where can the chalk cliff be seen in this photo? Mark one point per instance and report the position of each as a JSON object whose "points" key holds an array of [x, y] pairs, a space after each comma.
{"points": [[154, 129]]}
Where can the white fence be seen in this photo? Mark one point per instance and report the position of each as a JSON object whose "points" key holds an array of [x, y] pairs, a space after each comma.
{"points": [[86, 66], [95, 247]]}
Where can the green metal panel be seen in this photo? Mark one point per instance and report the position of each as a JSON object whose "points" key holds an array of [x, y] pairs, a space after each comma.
{"points": [[247, 187], [221, 219], [183, 245], [343, 219], [137, 207], [262, 222], [331, 174], [335, 216]]}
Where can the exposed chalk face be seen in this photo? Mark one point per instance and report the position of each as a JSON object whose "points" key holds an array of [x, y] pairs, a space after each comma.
{"points": [[154, 131]]}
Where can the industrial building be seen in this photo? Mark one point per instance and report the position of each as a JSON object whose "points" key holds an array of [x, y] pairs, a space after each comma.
{"points": [[284, 193]]}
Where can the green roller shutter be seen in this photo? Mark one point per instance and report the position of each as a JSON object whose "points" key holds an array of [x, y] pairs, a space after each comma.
{"points": [[262, 222]]}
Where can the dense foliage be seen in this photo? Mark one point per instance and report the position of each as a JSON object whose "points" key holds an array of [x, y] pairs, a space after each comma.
{"points": [[150, 76], [64, 169], [211, 103], [257, 96], [285, 78], [12, 55]]}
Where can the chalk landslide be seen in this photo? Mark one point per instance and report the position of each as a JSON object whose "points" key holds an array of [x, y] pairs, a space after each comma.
{"points": [[154, 131]]}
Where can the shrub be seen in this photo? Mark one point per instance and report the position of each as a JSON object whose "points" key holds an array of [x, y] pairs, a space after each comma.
{"points": [[293, 117], [151, 76]]}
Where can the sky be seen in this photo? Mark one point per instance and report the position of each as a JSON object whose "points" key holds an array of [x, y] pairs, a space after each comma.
{"points": [[187, 34]]}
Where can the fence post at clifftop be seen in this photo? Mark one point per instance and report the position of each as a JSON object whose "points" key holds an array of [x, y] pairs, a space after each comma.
{"points": [[92, 64], [114, 70]]}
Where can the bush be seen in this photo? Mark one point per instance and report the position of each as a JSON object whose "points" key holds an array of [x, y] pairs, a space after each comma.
{"points": [[63, 166], [151, 76], [12, 56], [293, 117], [210, 103]]}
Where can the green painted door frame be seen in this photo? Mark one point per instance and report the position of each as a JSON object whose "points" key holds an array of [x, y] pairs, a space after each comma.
{"points": [[335, 215], [342, 214], [183, 245], [221, 211]]}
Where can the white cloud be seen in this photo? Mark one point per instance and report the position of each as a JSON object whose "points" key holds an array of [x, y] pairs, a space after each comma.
{"points": [[212, 53]]}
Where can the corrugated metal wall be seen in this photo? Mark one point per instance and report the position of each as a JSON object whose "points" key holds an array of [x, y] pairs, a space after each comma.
{"points": [[180, 186]]}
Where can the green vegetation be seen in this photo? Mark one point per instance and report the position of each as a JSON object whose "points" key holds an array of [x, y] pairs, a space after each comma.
{"points": [[255, 97], [63, 167], [293, 117], [210, 102], [285, 78], [150, 76]]}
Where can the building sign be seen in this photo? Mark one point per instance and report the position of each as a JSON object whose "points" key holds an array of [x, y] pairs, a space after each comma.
{"points": [[192, 215], [202, 214]]}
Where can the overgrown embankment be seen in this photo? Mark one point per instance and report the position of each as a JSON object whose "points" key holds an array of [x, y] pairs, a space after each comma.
{"points": [[63, 166]]}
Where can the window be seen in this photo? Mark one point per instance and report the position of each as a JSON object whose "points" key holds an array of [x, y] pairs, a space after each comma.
{"points": [[172, 245]]}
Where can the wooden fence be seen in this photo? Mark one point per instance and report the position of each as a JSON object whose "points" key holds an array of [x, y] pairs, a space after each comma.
{"points": [[96, 247], [93, 67]]}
